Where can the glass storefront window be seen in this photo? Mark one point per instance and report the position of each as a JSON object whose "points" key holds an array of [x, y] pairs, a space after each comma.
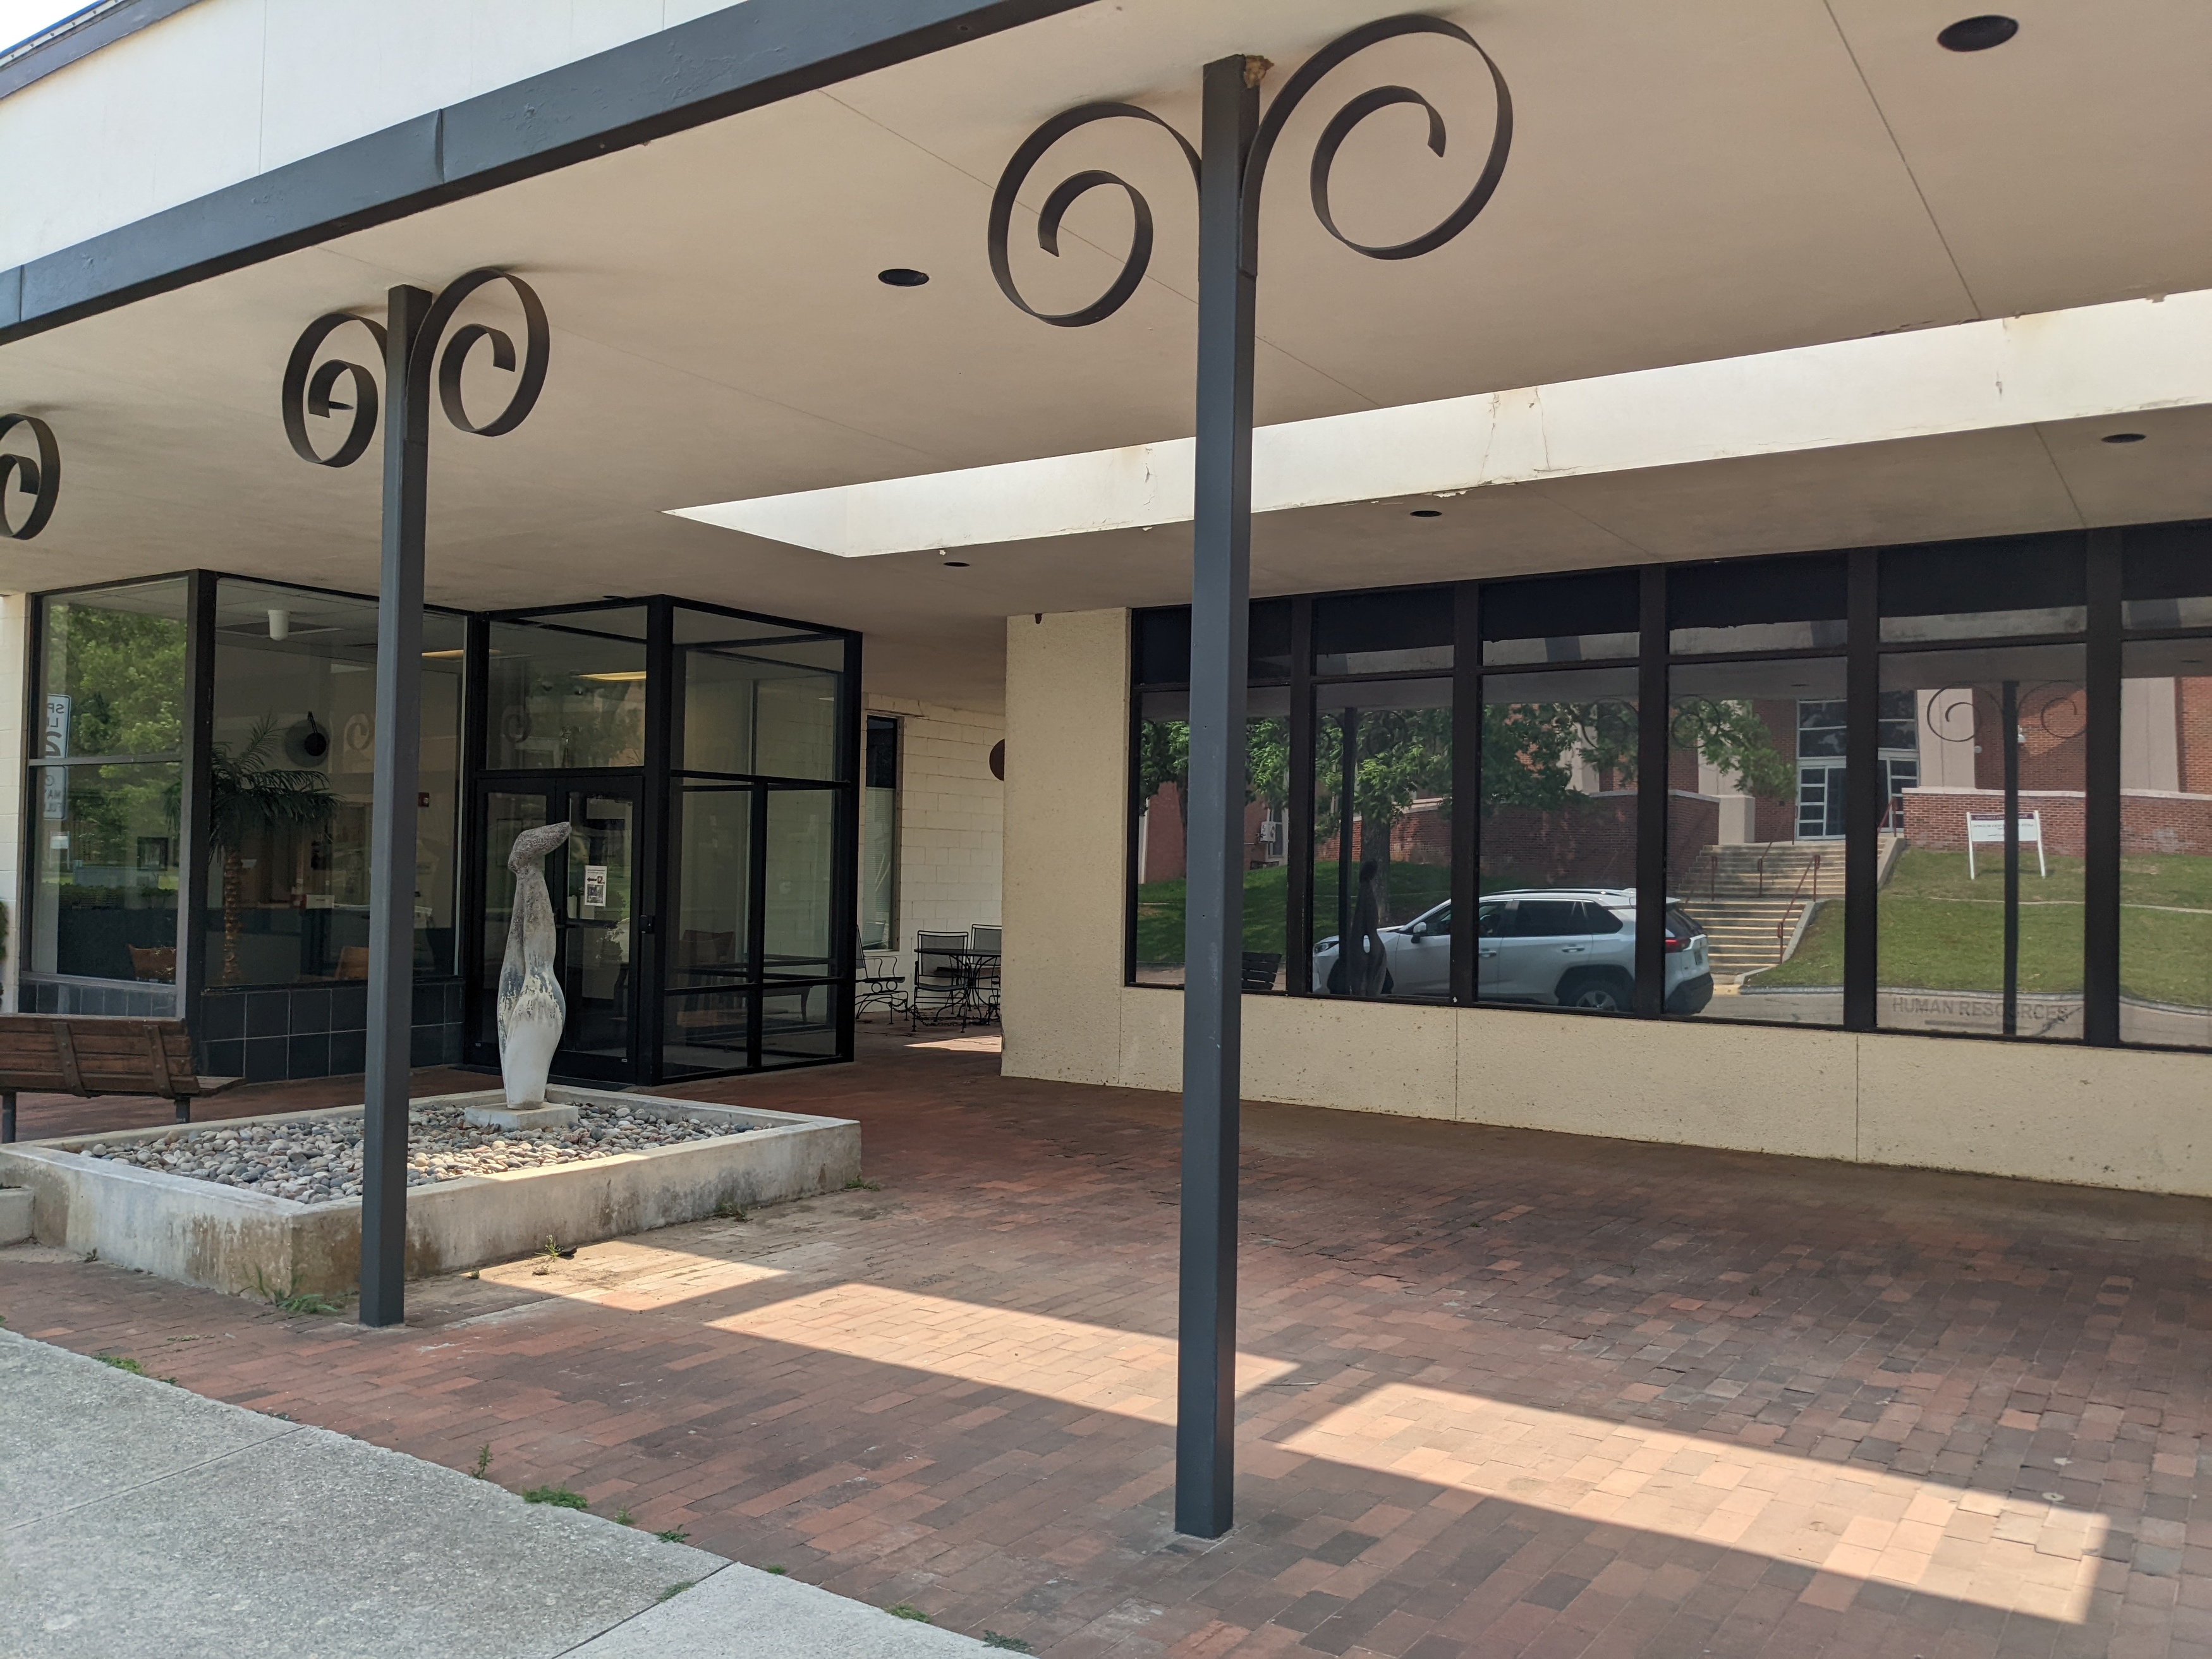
{"points": [[1997, 588], [106, 899], [567, 691], [292, 760], [2165, 843], [1953, 954], [2165, 576], [106, 837], [1558, 619], [1977, 812], [762, 705], [1796, 603], [1754, 841], [111, 672], [1557, 923], [1163, 781], [1382, 837], [798, 1019], [707, 1024], [1398, 631]]}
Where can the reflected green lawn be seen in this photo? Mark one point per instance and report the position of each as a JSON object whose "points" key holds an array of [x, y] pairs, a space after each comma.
{"points": [[1160, 915], [1938, 930], [1413, 888]]}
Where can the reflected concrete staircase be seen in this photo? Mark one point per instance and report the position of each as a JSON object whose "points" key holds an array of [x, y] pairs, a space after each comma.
{"points": [[1748, 898]]}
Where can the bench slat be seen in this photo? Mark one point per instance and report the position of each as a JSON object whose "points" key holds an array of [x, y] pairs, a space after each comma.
{"points": [[65, 1057], [89, 1055]]}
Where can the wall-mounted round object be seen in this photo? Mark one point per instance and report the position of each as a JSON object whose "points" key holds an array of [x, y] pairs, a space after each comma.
{"points": [[998, 761], [305, 743]]}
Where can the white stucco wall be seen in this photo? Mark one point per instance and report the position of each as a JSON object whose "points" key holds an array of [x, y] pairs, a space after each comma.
{"points": [[15, 611], [257, 83], [2101, 1117], [951, 817]]}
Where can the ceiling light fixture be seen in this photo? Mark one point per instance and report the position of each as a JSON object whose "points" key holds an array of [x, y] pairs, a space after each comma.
{"points": [[956, 564], [615, 675], [1426, 513], [901, 277], [1978, 33], [2124, 437]]}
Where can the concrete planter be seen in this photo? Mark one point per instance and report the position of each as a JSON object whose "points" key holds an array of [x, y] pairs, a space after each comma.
{"points": [[199, 1232]]}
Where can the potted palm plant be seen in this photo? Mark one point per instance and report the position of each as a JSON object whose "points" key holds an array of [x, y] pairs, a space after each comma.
{"points": [[252, 798]]}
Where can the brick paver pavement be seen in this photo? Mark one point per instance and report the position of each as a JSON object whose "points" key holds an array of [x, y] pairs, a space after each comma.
{"points": [[1503, 1393]]}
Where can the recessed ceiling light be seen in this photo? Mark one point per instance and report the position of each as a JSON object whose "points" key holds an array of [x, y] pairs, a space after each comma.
{"points": [[901, 277], [954, 564], [1978, 33], [1426, 513], [2124, 437]]}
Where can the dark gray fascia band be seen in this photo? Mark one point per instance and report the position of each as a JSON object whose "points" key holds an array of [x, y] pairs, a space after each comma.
{"points": [[80, 36], [738, 59]]}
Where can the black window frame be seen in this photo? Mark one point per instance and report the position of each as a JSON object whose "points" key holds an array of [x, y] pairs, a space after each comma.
{"points": [[2102, 553]]}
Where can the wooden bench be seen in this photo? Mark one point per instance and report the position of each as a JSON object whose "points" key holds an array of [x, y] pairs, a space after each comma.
{"points": [[89, 1055]]}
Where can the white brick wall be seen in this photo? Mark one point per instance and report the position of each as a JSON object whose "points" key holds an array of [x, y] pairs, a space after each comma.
{"points": [[952, 828]]}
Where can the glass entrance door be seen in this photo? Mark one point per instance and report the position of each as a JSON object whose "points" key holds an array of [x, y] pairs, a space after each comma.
{"points": [[592, 881]]}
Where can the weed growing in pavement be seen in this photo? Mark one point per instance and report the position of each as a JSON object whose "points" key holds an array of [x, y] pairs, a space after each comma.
{"points": [[673, 1535], [624, 1518], [675, 1589], [483, 1459], [728, 1210], [862, 1184], [1011, 1644], [122, 1364], [551, 1254], [559, 1497], [292, 1299], [781, 1572], [907, 1610]]}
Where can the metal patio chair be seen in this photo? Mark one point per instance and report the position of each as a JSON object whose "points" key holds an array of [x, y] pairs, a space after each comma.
{"points": [[881, 982], [984, 941], [941, 991]]}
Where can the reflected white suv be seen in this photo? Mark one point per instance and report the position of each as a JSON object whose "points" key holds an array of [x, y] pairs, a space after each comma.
{"points": [[1572, 947]]}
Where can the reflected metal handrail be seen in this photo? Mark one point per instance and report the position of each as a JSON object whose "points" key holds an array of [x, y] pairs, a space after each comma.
{"points": [[1811, 871]]}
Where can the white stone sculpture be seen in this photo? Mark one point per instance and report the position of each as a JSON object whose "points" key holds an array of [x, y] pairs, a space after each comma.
{"points": [[531, 1008]]}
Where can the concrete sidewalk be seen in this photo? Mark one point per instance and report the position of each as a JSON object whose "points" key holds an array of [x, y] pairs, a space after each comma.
{"points": [[137, 1517]]}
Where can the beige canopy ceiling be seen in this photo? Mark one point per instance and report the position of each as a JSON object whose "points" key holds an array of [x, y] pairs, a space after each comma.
{"points": [[1705, 179]]}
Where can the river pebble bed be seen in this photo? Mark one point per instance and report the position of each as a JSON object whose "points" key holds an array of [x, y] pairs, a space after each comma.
{"points": [[317, 1160]]}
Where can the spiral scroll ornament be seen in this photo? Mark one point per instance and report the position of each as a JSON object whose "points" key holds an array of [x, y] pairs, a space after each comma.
{"points": [[2059, 708], [308, 386], [40, 479], [1339, 128]]}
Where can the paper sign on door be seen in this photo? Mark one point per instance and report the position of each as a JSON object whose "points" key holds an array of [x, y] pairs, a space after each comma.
{"points": [[595, 885]]}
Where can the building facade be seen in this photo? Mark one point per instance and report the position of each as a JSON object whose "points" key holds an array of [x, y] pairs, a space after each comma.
{"points": [[1728, 658], [197, 840]]}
